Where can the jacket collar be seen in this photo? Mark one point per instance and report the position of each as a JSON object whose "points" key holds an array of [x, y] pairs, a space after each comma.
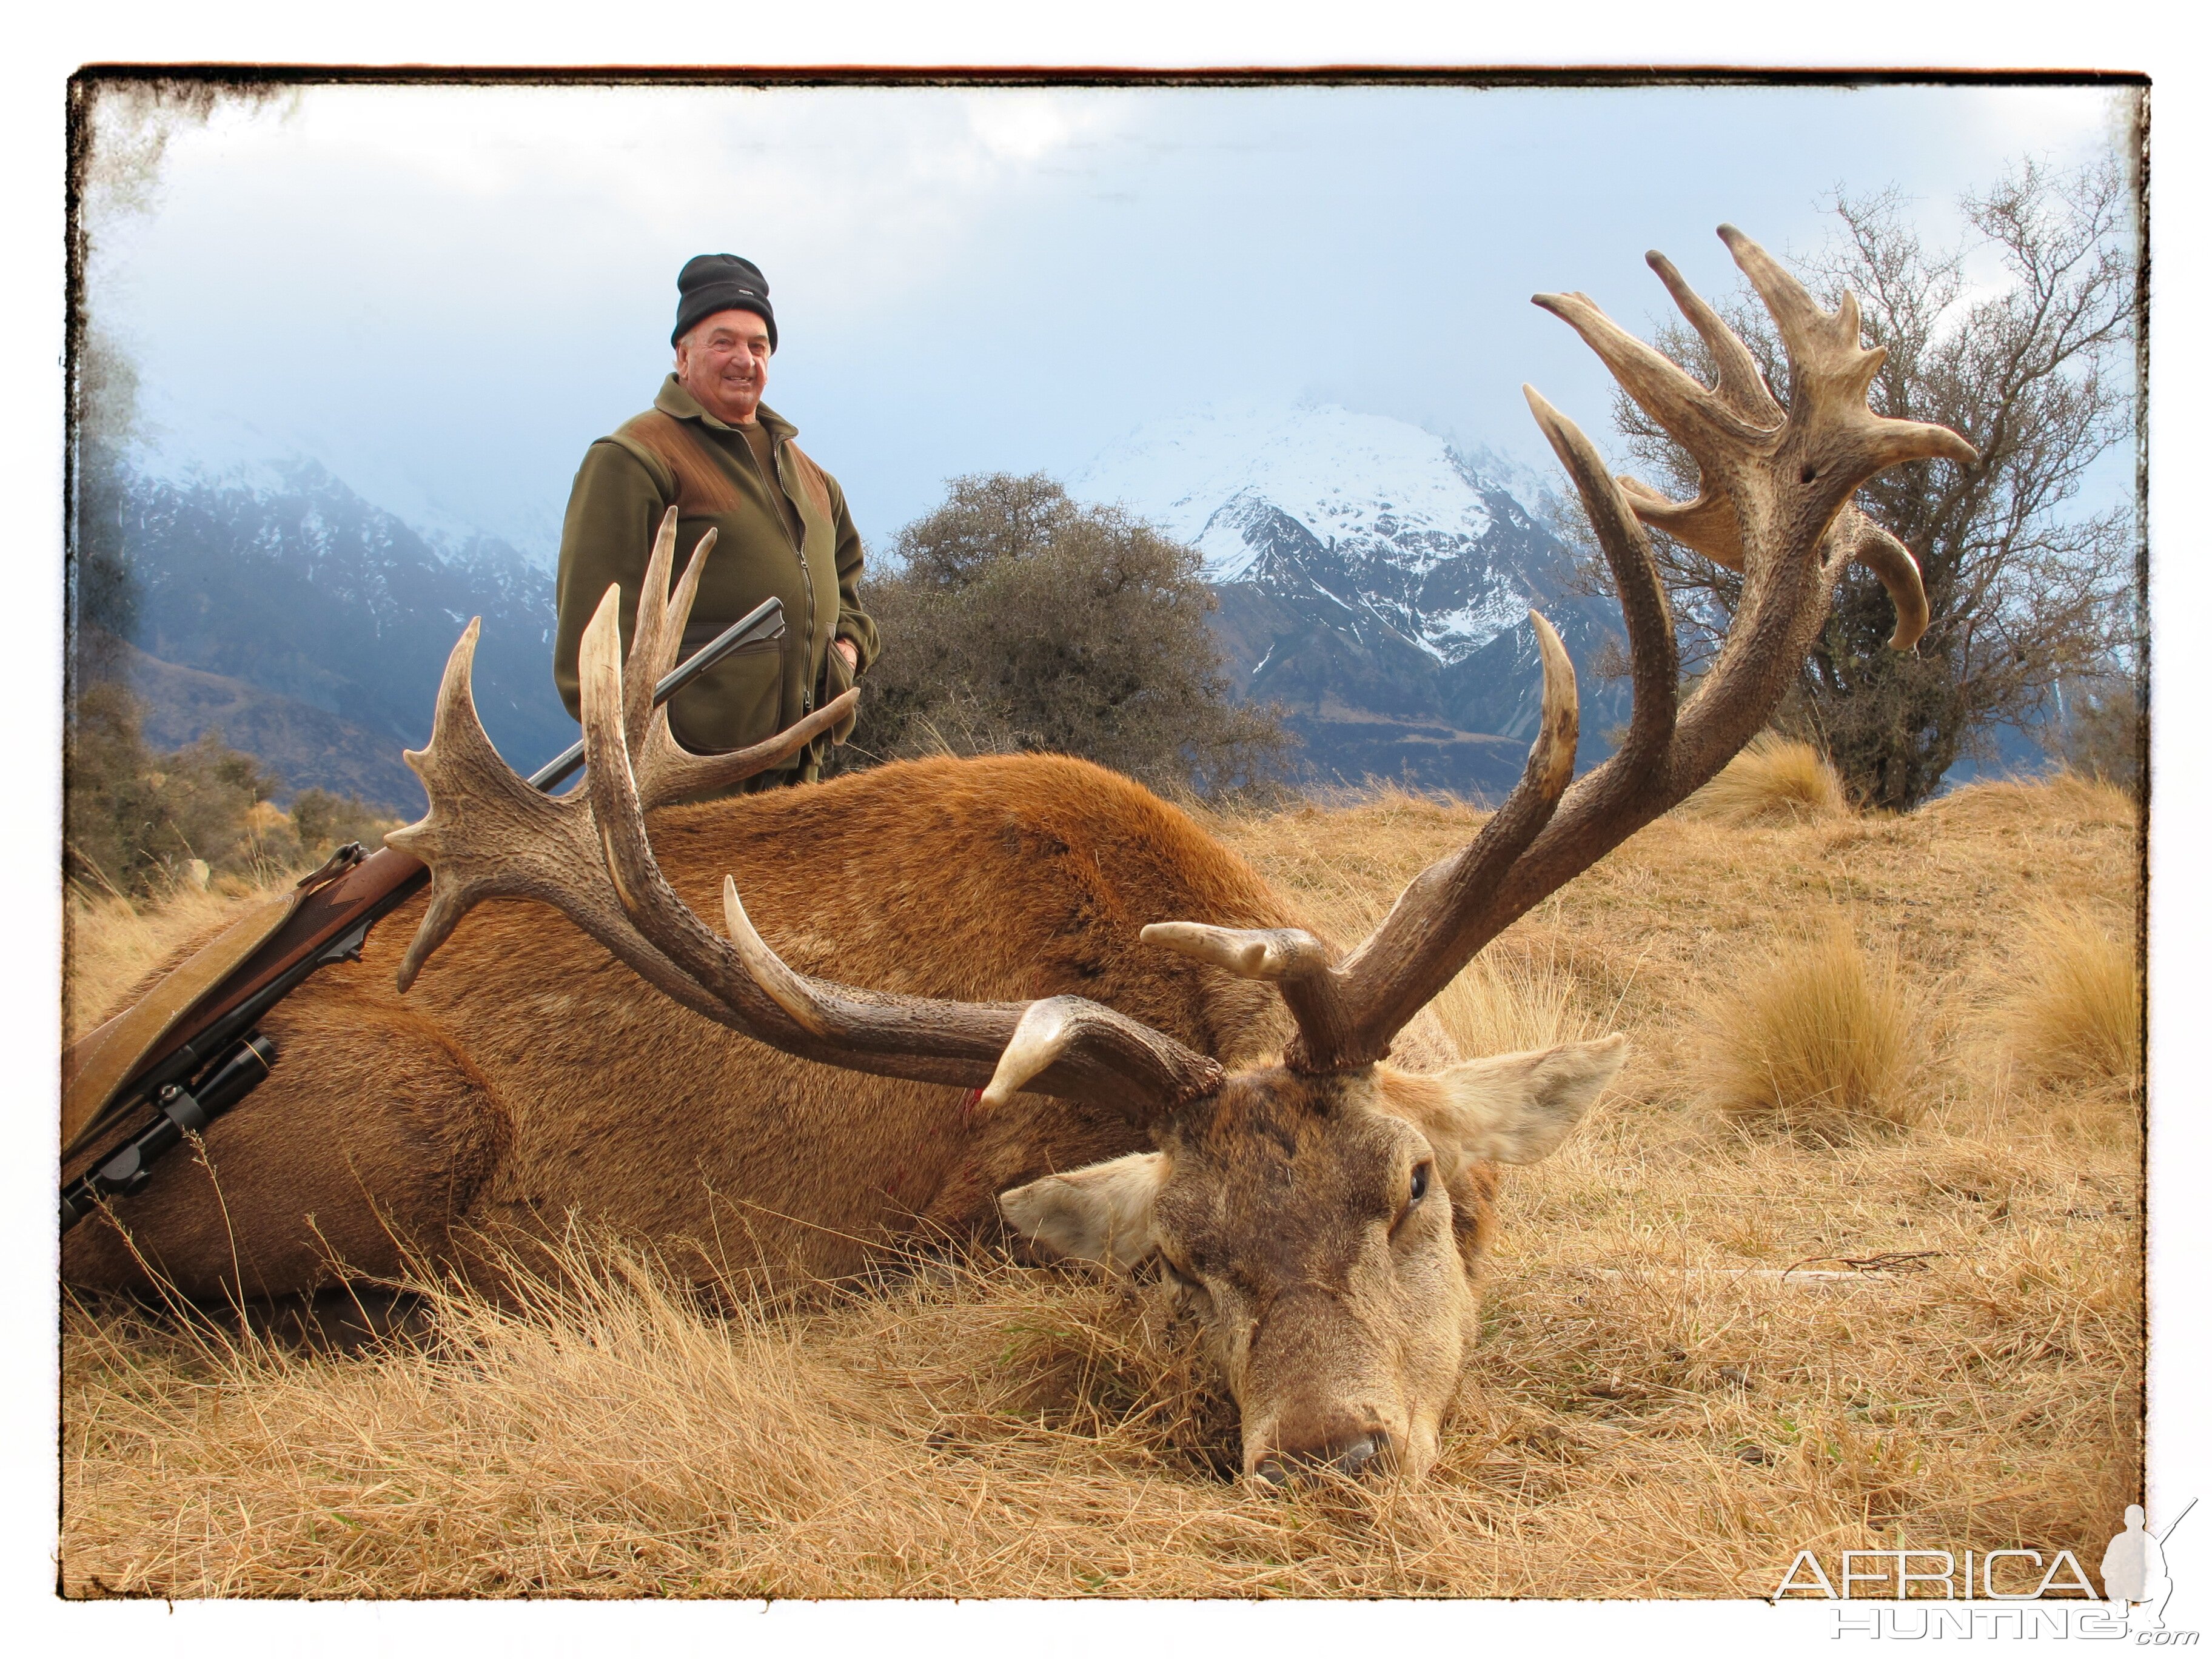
{"points": [[674, 399]]}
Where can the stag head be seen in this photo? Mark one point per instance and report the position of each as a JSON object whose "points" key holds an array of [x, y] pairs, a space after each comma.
{"points": [[1322, 1215]]}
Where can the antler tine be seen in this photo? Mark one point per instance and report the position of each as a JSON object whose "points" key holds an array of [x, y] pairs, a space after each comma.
{"points": [[1700, 419], [1844, 442], [1656, 659], [653, 642], [490, 834], [1106, 1059], [1047, 1032], [1857, 537], [657, 633], [666, 771], [1775, 504], [1272, 953], [1737, 381], [1706, 525]]}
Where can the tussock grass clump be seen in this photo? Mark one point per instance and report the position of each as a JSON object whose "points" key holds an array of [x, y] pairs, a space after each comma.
{"points": [[1775, 780], [1815, 1041], [2035, 804], [2076, 1015], [1502, 1004]]}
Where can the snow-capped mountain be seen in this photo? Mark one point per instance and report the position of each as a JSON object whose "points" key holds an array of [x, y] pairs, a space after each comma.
{"points": [[1374, 581], [1379, 512], [313, 626], [188, 445]]}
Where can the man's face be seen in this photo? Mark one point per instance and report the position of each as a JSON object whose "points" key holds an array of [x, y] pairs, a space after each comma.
{"points": [[723, 363]]}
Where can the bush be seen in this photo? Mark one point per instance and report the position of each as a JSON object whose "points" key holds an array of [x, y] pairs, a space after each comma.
{"points": [[322, 822], [2101, 736], [1775, 778], [135, 820], [1018, 620], [1815, 1042], [1503, 1005], [2076, 1017]]}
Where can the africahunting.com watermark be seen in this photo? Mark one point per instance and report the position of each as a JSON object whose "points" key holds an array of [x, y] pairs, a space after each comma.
{"points": [[2016, 1594]]}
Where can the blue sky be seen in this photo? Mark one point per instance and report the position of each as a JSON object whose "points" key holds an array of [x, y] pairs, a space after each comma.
{"points": [[445, 293]]}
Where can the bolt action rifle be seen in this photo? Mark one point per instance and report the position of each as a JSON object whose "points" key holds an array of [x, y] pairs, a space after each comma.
{"points": [[188, 1050]]}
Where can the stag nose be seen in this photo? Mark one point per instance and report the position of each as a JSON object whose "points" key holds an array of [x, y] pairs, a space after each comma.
{"points": [[1354, 1454]]}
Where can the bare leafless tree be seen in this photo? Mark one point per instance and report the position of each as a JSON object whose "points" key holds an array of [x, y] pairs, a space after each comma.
{"points": [[2016, 336]]}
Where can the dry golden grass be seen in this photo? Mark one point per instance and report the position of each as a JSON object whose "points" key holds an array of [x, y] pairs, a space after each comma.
{"points": [[2075, 1015], [113, 941], [1775, 778], [1815, 1040], [1657, 1406]]}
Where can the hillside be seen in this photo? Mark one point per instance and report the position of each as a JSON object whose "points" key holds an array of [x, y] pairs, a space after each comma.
{"points": [[308, 747], [295, 615]]}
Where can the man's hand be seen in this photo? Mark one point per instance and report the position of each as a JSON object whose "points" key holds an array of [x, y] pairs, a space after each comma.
{"points": [[850, 652]]}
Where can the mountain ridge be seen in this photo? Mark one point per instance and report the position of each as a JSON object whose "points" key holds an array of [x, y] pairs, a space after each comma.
{"points": [[260, 606], [1374, 582]]}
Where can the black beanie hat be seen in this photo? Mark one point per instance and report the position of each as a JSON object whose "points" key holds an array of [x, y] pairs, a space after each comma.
{"points": [[719, 281]]}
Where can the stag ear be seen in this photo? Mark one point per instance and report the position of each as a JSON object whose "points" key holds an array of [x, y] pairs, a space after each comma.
{"points": [[1104, 1213], [1516, 1109]]}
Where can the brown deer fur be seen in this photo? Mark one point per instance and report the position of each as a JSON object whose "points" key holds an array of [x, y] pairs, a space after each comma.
{"points": [[528, 1074]]}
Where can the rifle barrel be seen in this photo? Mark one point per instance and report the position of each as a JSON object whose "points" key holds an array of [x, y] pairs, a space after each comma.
{"points": [[764, 621]]}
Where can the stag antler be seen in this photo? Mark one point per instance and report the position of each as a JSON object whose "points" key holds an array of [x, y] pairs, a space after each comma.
{"points": [[1774, 499], [490, 834], [1774, 502], [1064, 1045]]}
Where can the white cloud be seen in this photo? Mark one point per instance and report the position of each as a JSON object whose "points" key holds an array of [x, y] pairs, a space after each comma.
{"points": [[454, 288]]}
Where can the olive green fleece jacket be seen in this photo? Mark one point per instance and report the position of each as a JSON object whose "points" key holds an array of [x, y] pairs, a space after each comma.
{"points": [[675, 454]]}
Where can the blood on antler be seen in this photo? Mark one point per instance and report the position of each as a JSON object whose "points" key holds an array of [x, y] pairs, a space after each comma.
{"points": [[1774, 502]]}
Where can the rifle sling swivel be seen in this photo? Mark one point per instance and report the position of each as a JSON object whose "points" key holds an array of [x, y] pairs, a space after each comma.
{"points": [[178, 1112]]}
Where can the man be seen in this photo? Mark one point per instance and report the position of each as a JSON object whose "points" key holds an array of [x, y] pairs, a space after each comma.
{"points": [[711, 449]]}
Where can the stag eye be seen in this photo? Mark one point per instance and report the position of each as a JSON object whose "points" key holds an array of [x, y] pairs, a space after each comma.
{"points": [[1415, 1189]]}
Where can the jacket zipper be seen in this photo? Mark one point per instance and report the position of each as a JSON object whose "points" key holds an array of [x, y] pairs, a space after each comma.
{"points": [[798, 551]]}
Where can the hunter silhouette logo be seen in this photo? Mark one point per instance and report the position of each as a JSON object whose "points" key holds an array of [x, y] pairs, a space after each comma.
{"points": [[2134, 1570], [2016, 1592]]}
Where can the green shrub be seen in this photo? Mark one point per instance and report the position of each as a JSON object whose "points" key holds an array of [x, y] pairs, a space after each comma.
{"points": [[135, 820], [1016, 620]]}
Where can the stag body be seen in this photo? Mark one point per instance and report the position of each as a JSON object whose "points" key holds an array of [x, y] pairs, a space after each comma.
{"points": [[1320, 1209], [527, 1078]]}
